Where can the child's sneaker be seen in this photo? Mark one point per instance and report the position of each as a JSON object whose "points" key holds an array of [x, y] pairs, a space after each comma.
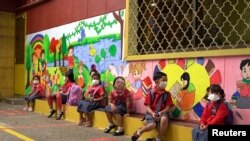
{"points": [[30, 109], [25, 109]]}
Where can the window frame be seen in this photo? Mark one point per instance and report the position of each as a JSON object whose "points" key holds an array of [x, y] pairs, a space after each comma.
{"points": [[187, 54]]}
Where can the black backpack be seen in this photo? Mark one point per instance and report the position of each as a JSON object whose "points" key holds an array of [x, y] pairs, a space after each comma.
{"points": [[229, 119], [152, 97]]}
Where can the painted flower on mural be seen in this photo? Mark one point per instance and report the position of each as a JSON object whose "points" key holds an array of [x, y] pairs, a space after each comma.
{"points": [[52, 48]]}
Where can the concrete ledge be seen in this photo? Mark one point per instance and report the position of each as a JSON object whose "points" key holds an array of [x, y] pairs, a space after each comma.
{"points": [[177, 131]]}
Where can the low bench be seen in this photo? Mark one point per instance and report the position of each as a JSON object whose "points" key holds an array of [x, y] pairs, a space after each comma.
{"points": [[177, 130]]}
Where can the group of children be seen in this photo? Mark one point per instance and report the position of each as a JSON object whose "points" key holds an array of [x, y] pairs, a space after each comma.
{"points": [[158, 103]]}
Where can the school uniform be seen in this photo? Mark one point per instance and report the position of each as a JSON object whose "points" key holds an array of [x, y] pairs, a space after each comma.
{"points": [[60, 98], [153, 103], [213, 114], [118, 98], [38, 92], [86, 106]]}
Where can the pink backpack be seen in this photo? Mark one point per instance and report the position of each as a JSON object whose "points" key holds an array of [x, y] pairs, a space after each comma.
{"points": [[75, 94]]}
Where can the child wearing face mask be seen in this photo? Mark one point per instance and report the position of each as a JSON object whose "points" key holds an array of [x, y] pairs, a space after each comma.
{"points": [[157, 108], [119, 104], [93, 99], [37, 92], [60, 96], [214, 113]]}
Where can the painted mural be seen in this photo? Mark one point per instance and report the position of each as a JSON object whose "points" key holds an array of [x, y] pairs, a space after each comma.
{"points": [[97, 43]]}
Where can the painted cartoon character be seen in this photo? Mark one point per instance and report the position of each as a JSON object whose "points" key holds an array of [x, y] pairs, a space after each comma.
{"points": [[80, 78], [71, 58], [43, 62], [55, 77], [123, 71], [186, 97], [34, 63], [241, 98], [48, 83], [92, 50], [136, 69]]}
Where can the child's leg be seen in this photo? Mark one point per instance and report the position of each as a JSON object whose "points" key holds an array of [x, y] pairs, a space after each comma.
{"points": [[31, 100], [119, 120], [88, 120], [109, 117], [26, 98], [59, 102], [120, 130], [163, 126], [86, 115], [50, 101], [81, 119], [111, 123], [146, 128]]}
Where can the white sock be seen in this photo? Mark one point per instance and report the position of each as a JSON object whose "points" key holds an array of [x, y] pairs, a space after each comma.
{"points": [[111, 124], [120, 129], [157, 139], [138, 132]]}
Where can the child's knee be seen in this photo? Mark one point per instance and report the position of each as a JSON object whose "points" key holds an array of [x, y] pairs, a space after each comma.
{"points": [[164, 119], [152, 125]]}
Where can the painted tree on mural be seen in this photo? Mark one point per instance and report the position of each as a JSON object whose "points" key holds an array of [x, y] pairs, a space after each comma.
{"points": [[46, 43], [103, 53], [98, 26], [120, 20], [28, 52], [59, 50], [52, 48], [63, 48], [112, 50]]}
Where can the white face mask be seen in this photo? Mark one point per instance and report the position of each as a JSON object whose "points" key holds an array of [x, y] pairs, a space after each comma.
{"points": [[163, 84], [213, 97], [35, 81], [95, 82]]}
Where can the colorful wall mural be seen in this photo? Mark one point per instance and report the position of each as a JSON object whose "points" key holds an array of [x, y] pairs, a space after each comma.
{"points": [[97, 43]]}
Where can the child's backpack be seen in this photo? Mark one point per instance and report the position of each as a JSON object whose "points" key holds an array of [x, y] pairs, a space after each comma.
{"points": [[152, 97], [75, 94], [229, 119]]}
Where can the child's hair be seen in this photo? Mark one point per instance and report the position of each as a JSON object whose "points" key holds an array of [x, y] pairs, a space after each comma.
{"points": [[158, 75], [185, 76], [70, 75], [118, 77], [215, 88], [93, 71], [207, 92], [244, 62], [71, 47], [36, 76], [93, 67]]}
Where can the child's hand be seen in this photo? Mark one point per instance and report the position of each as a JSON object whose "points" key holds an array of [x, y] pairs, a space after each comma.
{"points": [[91, 99], [203, 127], [113, 108], [156, 116], [127, 115]]}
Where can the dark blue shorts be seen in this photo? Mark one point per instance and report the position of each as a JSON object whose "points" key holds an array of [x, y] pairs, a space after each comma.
{"points": [[120, 109], [149, 119]]}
